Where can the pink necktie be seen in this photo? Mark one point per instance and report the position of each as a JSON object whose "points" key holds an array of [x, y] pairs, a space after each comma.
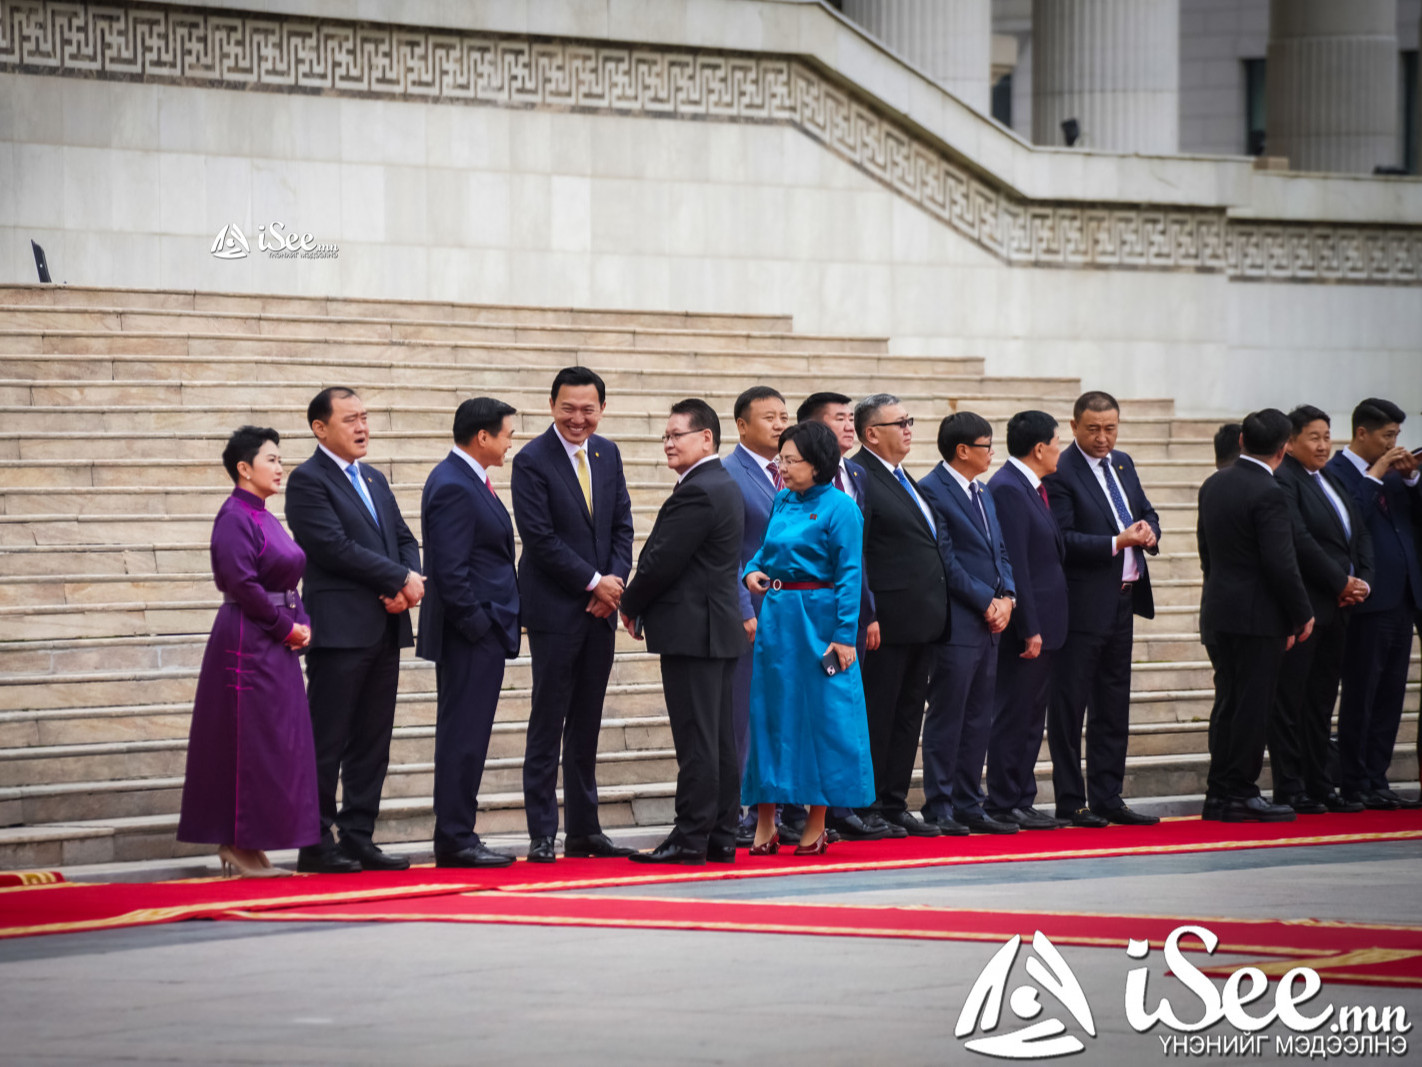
{"points": [[1042, 492], [489, 485], [838, 480], [774, 468]]}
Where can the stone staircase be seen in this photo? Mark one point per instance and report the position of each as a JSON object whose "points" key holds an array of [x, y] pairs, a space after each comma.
{"points": [[113, 408]]}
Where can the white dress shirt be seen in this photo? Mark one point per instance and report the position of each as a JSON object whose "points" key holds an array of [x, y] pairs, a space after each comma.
{"points": [[573, 451], [1335, 500], [1130, 569], [1259, 462], [1027, 472], [478, 468], [761, 462], [704, 459], [927, 512]]}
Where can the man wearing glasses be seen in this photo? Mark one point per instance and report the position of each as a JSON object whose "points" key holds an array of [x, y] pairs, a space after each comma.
{"points": [[910, 587]]}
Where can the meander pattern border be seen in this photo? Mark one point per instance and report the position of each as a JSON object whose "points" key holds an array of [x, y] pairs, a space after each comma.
{"points": [[235, 50]]}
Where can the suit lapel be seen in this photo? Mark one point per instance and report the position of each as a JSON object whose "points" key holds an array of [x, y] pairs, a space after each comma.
{"points": [[558, 456], [753, 470], [901, 497], [954, 492], [1086, 477], [335, 474]]}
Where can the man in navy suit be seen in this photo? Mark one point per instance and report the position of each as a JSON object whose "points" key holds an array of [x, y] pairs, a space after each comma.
{"points": [[574, 517], [469, 622], [836, 411], [981, 596], [1383, 478], [362, 578], [761, 417], [1109, 527], [1039, 625]]}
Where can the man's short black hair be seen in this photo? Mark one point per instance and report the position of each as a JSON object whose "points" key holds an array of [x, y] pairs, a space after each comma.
{"points": [[961, 428], [818, 445], [700, 416], [1304, 414], [481, 413], [1095, 400], [751, 395], [1374, 413], [576, 376], [319, 410], [1028, 429], [816, 403], [1227, 443], [1266, 431], [243, 446]]}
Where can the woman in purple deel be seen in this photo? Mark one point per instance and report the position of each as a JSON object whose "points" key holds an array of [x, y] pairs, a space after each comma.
{"points": [[251, 775]]}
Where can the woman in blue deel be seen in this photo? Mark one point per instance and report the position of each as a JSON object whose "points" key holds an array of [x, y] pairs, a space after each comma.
{"points": [[809, 731]]}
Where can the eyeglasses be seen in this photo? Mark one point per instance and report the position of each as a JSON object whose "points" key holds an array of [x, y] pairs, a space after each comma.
{"points": [[902, 424], [673, 436], [785, 462], [987, 446]]}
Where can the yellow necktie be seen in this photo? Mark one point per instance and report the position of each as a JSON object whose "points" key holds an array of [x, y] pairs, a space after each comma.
{"points": [[584, 479]]}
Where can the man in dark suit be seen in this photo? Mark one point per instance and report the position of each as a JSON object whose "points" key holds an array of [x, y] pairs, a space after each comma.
{"points": [[362, 578], [910, 587], [469, 622], [574, 517], [836, 411], [1039, 623], [684, 596], [1383, 478], [981, 596], [1335, 554], [1253, 609], [1227, 444], [754, 466], [1109, 528]]}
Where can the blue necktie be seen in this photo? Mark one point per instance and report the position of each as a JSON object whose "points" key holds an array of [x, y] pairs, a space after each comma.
{"points": [[978, 500], [1118, 502], [360, 488], [903, 481]]}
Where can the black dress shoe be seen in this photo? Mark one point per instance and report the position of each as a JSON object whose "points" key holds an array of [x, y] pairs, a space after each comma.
{"points": [[722, 854], [911, 824], [1027, 819], [369, 856], [789, 833], [594, 846], [745, 837], [1083, 817], [325, 859], [542, 850], [853, 828], [1371, 800], [1256, 809], [475, 855], [985, 824], [1303, 804], [1395, 800], [946, 826], [1213, 810], [1124, 816], [1335, 803], [875, 820], [671, 852]]}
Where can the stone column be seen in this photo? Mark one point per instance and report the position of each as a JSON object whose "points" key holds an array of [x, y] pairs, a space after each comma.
{"points": [[949, 40], [1114, 66], [1332, 84]]}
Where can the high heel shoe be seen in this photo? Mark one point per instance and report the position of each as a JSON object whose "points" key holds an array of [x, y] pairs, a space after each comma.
{"points": [[767, 848], [234, 862], [818, 847]]}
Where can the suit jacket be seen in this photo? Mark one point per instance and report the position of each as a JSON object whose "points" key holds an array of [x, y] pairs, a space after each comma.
{"points": [[1327, 554], [1246, 535], [976, 563], [470, 585], [684, 590], [903, 560], [1038, 554], [350, 560], [1387, 510], [859, 490], [758, 493], [564, 546], [1088, 525]]}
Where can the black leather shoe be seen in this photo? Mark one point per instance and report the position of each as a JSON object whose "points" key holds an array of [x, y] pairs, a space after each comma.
{"points": [[946, 826], [369, 856], [1371, 800], [721, 854], [745, 837], [1335, 803], [985, 824], [671, 852], [542, 850], [911, 824], [1124, 816], [1083, 817], [853, 828], [1256, 809], [594, 846], [1395, 800], [325, 859], [1213, 810], [476, 855], [876, 820], [789, 833], [1303, 804], [1027, 819]]}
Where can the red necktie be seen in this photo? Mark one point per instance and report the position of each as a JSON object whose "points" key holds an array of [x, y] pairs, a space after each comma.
{"points": [[838, 480], [774, 468], [1042, 492], [489, 485]]}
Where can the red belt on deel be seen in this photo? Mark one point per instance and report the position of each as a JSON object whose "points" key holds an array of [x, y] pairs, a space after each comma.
{"points": [[776, 583]]}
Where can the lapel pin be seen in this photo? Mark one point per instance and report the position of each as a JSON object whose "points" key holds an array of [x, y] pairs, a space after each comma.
{"points": [[813, 516]]}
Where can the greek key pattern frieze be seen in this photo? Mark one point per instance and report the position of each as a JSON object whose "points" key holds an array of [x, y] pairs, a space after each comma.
{"points": [[241, 51]]}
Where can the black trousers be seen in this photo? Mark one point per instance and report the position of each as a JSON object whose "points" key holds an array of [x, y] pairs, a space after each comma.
{"points": [[351, 692], [895, 689], [1019, 717], [1303, 712], [469, 677], [708, 779], [1092, 671], [957, 726], [570, 673], [1246, 675], [1375, 656]]}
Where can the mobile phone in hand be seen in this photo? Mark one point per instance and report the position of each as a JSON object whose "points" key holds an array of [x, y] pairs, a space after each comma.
{"points": [[830, 662]]}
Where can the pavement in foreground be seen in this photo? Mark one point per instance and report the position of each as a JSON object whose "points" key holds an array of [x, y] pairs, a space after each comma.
{"points": [[416, 993]]}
